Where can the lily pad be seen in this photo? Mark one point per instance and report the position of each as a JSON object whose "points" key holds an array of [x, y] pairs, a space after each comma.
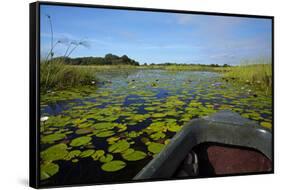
{"points": [[106, 158], [155, 147], [56, 152], [72, 154], [174, 128], [113, 166], [52, 138], [105, 134], [98, 154], [266, 124], [111, 140], [48, 169], [119, 146], [83, 131], [158, 135], [80, 141], [134, 156], [87, 153], [104, 125], [158, 115]]}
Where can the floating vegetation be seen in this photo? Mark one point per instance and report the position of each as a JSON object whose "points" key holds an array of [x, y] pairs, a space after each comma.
{"points": [[134, 155], [80, 141], [105, 134], [72, 154], [52, 137], [119, 146], [106, 158], [98, 154], [56, 152], [87, 153], [266, 124], [155, 147], [48, 170], [113, 166], [125, 123]]}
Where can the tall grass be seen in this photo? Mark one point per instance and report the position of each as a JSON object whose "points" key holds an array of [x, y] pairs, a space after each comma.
{"points": [[254, 73], [57, 75]]}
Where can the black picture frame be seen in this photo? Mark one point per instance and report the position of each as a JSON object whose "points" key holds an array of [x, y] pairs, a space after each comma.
{"points": [[34, 83]]}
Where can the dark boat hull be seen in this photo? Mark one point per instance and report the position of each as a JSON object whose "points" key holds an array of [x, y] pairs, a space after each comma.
{"points": [[224, 143]]}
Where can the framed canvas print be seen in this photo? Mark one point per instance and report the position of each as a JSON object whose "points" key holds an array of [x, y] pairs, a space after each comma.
{"points": [[121, 94]]}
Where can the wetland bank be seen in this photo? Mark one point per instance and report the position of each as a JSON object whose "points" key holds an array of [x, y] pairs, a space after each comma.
{"points": [[109, 130]]}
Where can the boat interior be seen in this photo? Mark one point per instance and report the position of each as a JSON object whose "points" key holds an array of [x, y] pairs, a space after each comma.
{"points": [[214, 159]]}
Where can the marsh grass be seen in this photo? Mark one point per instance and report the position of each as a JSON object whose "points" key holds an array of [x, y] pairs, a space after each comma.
{"points": [[57, 75], [255, 73]]}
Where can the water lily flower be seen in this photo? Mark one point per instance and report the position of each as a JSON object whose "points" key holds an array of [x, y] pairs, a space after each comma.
{"points": [[43, 119], [93, 82]]}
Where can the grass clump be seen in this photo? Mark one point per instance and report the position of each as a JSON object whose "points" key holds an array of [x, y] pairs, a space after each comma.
{"points": [[258, 74], [57, 75]]}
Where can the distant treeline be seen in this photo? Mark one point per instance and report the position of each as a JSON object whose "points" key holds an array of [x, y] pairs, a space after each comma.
{"points": [[108, 59], [189, 64]]}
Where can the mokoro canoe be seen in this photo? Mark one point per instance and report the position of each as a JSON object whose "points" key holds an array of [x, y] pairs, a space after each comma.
{"points": [[220, 144]]}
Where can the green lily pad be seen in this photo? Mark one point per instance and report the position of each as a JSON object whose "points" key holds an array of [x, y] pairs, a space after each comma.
{"points": [[72, 154], [121, 127], [83, 131], [174, 128], [111, 140], [106, 158], [133, 134], [113, 166], [134, 156], [155, 147], [266, 124], [85, 125], [128, 151], [75, 160], [144, 140], [105, 134], [98, 154], [158, 135], [52, 138], [48, 169], [87, 153], [80, 141], [119, 146], [158, 115], [104, 125], [56, 152]]}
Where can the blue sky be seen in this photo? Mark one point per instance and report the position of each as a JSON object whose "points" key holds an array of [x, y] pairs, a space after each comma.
{"points": [[153, 37]]}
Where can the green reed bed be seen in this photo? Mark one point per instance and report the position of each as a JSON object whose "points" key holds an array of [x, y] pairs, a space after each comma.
{"points": [[257, 74], [57, 75]]}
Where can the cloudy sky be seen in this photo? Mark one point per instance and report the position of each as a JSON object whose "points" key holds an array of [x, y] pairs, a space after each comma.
{"points": [[153, 37]]}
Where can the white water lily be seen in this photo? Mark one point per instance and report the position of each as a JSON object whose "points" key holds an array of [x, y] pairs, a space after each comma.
{"points": [[93, 82], [45, 118]]}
